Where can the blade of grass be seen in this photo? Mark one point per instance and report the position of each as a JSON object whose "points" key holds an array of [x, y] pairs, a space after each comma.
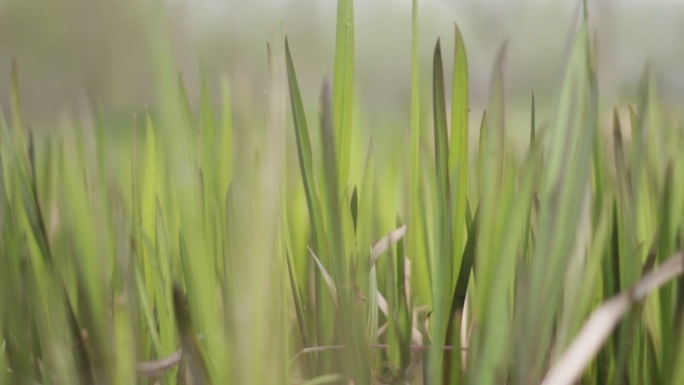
{"points": [[569, 147], [149, 205], [343, 87], [494, 195], [442, 268], [416, 241], [458, 148], [323, 333]]}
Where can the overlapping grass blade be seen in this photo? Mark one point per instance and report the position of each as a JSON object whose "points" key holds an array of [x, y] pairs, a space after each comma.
{"points": [[495, 197], [562, 194], [442, 262]]}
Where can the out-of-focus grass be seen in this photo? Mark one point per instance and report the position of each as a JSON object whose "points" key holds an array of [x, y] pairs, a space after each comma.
{"points": [[290, 249]]}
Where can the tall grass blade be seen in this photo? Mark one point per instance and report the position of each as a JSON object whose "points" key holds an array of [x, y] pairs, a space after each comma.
{"points": [[416, 242], [149, 207], [442, 268], [343, 86], [494, 193], [569, 147], [458, 147]]}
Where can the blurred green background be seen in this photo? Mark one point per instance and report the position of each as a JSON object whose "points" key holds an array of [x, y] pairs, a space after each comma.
{"points": [[72, 52]]}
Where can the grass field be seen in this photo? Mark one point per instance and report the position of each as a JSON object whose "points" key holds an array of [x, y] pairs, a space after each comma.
{"points": [[194, 248]]}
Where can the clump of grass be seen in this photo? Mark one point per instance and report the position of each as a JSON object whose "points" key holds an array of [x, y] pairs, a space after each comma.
{"points": [[197, 252]]}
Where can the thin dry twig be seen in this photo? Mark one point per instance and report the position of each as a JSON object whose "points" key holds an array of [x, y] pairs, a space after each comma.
{"points": [[152, 368]]}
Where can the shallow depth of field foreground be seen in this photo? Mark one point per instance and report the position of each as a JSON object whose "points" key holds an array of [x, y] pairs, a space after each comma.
{"points": [[204, 240]]}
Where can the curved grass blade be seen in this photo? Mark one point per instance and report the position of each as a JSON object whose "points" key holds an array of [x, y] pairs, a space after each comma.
{"points": [[384, 243], [326, 276]]}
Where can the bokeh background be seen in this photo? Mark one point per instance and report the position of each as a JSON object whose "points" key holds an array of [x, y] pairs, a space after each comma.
{"points": [[72, 53]]}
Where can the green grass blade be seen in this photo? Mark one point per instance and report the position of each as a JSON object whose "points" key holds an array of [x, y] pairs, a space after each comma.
{"points": [[17, 111], [149, 206], [363, 236], [494, 256], [225, 150], [304, 153], [343, 86], [570, 145], [442, 268], [324, 309], [491, 170], [420, 281], [458, 147]]}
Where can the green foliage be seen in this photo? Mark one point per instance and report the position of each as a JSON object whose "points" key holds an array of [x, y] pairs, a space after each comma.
{"points": [[199, 250]]}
